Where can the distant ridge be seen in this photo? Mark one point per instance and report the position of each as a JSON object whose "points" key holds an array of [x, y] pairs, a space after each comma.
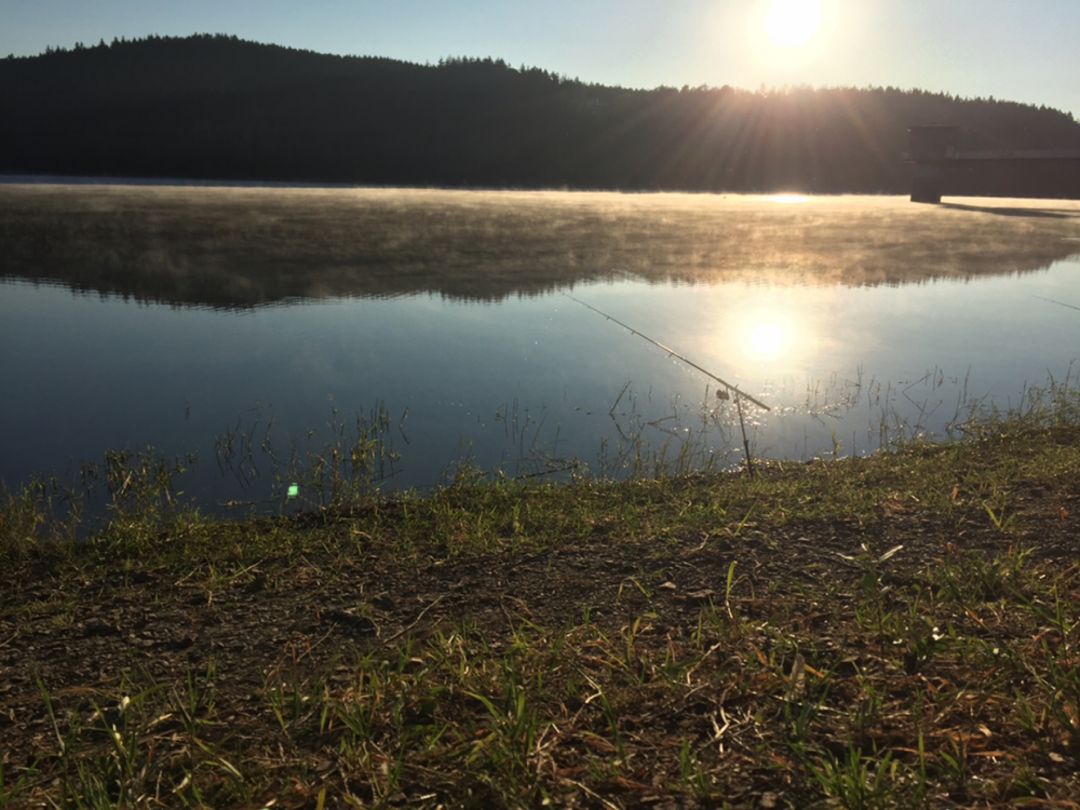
{"points": [[214, 106]]}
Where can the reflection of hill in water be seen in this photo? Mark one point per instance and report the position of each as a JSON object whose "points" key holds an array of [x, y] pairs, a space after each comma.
{"points": [[238, 247]]}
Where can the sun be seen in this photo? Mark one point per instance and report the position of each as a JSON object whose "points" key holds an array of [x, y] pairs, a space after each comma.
{"points": [[792, 23]]}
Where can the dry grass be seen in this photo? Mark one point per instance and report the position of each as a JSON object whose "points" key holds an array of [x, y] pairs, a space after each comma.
{"points": [[900, 630]]}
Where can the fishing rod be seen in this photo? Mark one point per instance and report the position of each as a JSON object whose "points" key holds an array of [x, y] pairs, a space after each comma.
{"points": [[673, 353]]}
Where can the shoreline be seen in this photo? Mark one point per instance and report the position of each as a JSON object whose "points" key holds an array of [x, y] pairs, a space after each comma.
{"points": [[897, 629]]}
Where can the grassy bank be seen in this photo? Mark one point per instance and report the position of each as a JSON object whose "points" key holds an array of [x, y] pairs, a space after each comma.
{"points": [[896, 630]]}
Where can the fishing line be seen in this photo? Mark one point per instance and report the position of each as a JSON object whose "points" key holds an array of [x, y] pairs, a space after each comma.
{"points": [[1059, 303], [733, 388]]}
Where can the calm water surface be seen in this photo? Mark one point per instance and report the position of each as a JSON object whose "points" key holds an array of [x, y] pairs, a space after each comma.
{"points": [[523, 384]]}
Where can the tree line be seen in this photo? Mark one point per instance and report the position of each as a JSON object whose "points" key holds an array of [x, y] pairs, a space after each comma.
{"points": [[214, 106]]}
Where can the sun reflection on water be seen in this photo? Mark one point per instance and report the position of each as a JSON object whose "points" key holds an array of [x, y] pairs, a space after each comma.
{"points": [[770, 339], [787, 198]]}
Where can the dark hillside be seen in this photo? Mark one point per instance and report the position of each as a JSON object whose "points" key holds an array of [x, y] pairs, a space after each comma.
{"points": [[218, 107]]}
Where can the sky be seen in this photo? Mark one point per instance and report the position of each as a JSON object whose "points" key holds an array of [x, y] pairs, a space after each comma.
{"points": [[1023, 50]]}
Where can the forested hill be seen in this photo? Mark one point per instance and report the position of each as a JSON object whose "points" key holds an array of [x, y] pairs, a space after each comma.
{"points": [[219, 107]]}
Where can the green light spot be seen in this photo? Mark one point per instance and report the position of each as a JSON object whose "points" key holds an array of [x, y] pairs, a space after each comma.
{"points": [[294, 490]]}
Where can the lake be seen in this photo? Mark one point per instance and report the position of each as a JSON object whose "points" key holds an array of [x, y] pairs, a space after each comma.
{"points": [[406, 334]]}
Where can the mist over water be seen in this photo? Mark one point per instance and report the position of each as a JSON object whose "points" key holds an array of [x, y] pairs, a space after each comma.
{"points": [[255, 327]]}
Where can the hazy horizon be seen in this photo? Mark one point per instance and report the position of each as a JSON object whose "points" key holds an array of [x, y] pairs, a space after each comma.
{"points": [[779, 88], [820, 43]]}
